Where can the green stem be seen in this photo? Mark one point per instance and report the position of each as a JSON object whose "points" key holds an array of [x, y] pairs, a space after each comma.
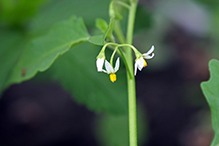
{"points": [[112, 56], [130, 79], [125, 61], [130, 46], [118, 32]]}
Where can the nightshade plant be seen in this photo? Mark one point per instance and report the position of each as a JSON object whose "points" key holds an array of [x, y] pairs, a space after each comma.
{"points": [[126, 55], [55, 52]]}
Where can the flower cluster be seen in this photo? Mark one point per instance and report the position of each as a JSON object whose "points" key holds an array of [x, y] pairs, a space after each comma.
{"points": [[140, 62]]}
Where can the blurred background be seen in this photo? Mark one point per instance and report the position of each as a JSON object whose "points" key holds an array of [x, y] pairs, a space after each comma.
{"points": [[171, 107]]}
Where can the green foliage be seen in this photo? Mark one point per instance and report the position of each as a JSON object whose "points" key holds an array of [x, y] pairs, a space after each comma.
{"points": [[97, 40], [211, 92], [11, 48], [41, 52], [107, 32], [103, 27], [101, 24]]}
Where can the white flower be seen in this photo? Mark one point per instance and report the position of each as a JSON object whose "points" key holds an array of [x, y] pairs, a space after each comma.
{"points": [[110, 70], [140, 62], [99, 64]]}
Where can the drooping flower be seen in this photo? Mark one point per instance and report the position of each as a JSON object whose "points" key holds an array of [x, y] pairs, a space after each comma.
{"points": [[139, 64], [110, 70], [140, 61]]}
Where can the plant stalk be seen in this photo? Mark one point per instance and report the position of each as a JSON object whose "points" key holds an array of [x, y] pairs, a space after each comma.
{"points": [[131, 79]]}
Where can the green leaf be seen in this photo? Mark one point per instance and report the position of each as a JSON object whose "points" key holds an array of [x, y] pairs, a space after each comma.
{"points": [[97, 40], [101, 24], [103, 27], [108, 34], [40, 53], [210, 89], [10, 49], [76, 72]]}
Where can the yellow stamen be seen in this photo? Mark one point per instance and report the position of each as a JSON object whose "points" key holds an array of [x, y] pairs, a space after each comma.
{"points": [[145, 63], [113, 77]]}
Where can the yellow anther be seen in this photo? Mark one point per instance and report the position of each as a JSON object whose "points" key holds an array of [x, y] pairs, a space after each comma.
{"points": [[113, 77], [145, 63]]}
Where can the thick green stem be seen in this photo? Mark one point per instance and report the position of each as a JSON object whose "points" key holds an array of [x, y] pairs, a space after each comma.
{"points": [[130, 79], [129, 66]]}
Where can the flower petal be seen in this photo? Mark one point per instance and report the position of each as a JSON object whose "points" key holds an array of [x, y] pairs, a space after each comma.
{"points": [[104, 71], [135, 68], [109, 68], [146, 56], [99, 64], [140, 63], [117, 65], [151, 50]]}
